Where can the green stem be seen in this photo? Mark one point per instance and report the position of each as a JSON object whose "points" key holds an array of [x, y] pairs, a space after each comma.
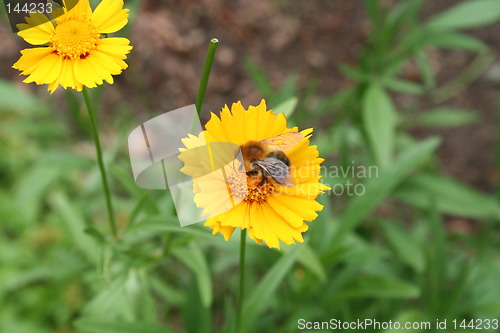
{"points": [[243, 240], [202, 89], [100, 163]]}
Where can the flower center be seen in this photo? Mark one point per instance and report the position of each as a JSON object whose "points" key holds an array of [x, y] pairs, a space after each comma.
{"points": [[249, 189], [75, 38], [256, 192]]}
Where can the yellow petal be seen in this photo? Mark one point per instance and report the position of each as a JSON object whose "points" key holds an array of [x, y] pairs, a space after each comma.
{"points": [[37, 30], [106, 61], [30, 59], [48, 69], [294, 219], [116, 46], [109, 16], [86, 74], [67, 78], [304, 207], [77, 8]]}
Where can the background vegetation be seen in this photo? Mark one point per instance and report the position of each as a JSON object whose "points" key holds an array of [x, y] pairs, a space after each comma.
{"points": [[421, 244]]}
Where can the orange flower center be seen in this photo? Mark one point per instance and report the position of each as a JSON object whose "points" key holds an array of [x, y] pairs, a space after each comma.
{"points": [[256, 192], [75, 38], [248, 188]]}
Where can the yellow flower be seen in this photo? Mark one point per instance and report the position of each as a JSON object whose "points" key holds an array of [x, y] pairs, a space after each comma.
{"points": [[270, 211], [74, 52]]}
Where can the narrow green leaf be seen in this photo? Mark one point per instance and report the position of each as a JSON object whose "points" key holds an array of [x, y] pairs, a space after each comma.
{"points": [[447, 117], [372, 7], [259, 78], [410, 316], [102, 326], [96, 234], [169, 294], [30, 192], [195, 260], [259, 298], [467, 14], [378, 188], [126, 181], [75, 224], [403, 86], [287, 90], [437, 259], [310, 260], [455, 40], [12, 97], [168, 224], [450, 197], [379, 287], [404, 12], [354, 73], [379, 120], [287, 107], [144, 203], [425, 69], [405, 245]]}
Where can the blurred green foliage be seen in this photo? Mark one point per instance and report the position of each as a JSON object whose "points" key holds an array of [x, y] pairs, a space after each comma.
{"points": [[386, 254]]}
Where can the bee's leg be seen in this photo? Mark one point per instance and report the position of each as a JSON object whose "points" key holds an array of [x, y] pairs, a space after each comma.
{"points": [[264, 180], [253, 172]]}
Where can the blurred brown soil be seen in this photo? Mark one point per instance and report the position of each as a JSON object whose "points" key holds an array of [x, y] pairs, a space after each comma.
{"points": [[310, 38]]}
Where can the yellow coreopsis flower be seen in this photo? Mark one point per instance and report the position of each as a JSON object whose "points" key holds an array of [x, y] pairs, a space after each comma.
{"points": [[74, 52], [269, 206]]}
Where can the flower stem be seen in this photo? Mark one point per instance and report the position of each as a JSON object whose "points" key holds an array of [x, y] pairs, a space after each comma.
{"points": [[202, 89], [243, 240], [100, 163]]}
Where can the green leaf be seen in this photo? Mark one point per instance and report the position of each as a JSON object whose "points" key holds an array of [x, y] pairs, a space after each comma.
{"points": [[425, 69], [379, 188], [450, 197], [31, 190], [409, 316], [12, 97], [195, 260], [310, 260], [447, 117], [467, 14], [438, 261], [455, 40], [260, 296], [75, 225], [102, 326], [379, 120], [405, 245], [403, 86], [168, 224], [96, 234], [372, 7], [379, 287], [259, 78], [287, 107], [196, 317], [126, 181], [287, 90], [354, 73], [404, 12]]}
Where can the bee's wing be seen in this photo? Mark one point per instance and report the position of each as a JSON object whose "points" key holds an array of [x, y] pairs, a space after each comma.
{"points": [[276, 169], [285, 141]]}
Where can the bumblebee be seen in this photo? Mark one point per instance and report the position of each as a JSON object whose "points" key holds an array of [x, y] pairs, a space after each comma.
{"points": [[266, 159]]}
